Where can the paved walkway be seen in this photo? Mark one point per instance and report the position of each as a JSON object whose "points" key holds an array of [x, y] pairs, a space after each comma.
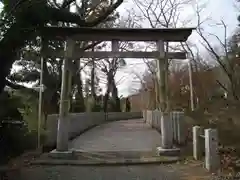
{"points": [[127, 135], [145, 172]]}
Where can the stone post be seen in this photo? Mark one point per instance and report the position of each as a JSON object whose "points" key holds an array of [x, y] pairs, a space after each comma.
{"points": [[161, 76], [149, 117], [144, 112], [154, 118], [166, 131], [197, 147], [212, 160], [62, 133], [174, 123], [158, 120], [181, 131]]}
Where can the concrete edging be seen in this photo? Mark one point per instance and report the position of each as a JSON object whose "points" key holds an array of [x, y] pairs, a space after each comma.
{"points": [[151, 160]]}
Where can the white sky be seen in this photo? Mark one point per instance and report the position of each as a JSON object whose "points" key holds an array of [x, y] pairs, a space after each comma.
{"points": [[215, 9]]}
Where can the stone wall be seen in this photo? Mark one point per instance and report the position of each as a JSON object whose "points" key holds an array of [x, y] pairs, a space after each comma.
{"points": [[80, 122]]}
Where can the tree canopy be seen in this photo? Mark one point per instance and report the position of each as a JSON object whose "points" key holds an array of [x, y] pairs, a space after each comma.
{"points": [[22, 20]]}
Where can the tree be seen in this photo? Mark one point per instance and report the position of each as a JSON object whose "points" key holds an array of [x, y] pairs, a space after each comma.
{"points": [[30, 62], [146, 95], [15, 137], [21, 24], [238, 8], [225, 56], [162, 14], [110, 66]]}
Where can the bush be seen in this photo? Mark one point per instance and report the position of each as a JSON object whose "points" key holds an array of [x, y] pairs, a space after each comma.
{"points": [[14, 135], [15, 139]]}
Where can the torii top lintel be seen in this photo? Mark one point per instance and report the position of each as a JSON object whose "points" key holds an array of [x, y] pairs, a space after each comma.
{"points": [[121, 34]]}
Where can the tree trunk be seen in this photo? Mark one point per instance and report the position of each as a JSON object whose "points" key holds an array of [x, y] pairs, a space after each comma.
{"points": [[93, 92], [80, 105], [117, 104], [105, 99], [114, 91]]}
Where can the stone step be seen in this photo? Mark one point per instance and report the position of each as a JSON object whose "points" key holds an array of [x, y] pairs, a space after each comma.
{"points": [[118, 154], [168, 152], [103, 161]]}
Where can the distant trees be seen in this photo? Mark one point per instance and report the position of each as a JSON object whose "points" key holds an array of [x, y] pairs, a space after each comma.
{"points": [[215, 72], [225, 54]]}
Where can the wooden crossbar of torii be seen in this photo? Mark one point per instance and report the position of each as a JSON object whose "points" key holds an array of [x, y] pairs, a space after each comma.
{"points": [[116, 54], [115, 35]]}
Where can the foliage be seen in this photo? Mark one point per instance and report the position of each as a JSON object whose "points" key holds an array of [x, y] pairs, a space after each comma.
{"points": [[100, 14], [29, 111], [21, 24], [114, 105], [15, 137]]}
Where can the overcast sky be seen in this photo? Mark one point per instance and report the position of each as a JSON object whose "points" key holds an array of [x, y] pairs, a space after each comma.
{"points": [[215, 9]]}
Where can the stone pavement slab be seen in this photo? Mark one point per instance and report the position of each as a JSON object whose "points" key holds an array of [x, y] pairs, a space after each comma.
{"points": [[126, 135]]}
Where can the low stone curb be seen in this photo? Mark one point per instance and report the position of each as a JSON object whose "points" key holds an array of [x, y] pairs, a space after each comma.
{"points": [[149, 160]]}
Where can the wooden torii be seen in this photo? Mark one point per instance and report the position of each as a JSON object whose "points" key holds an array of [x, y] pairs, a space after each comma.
{"points": [[72, 34]]}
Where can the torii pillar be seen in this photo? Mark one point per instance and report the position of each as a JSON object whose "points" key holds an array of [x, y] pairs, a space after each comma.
{"points": [[63, 123]]}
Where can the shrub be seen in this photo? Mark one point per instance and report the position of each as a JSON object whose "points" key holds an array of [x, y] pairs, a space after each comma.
{"points": [[14, 135]]}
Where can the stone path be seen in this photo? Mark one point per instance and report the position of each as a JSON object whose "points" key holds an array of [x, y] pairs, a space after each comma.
{"points": [[131, 135], [127, 135], [182, 171], [146, 172]]}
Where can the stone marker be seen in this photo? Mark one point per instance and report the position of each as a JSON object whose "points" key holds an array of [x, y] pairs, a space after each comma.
{"points": [[212, 160], [197, 147]]}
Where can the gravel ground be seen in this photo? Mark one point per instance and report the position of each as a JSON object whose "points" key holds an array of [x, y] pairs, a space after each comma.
{"points": [[143, 172], [186, 170]]}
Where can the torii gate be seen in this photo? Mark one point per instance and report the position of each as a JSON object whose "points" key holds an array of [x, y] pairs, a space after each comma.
{"points": [[73, 34]]}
